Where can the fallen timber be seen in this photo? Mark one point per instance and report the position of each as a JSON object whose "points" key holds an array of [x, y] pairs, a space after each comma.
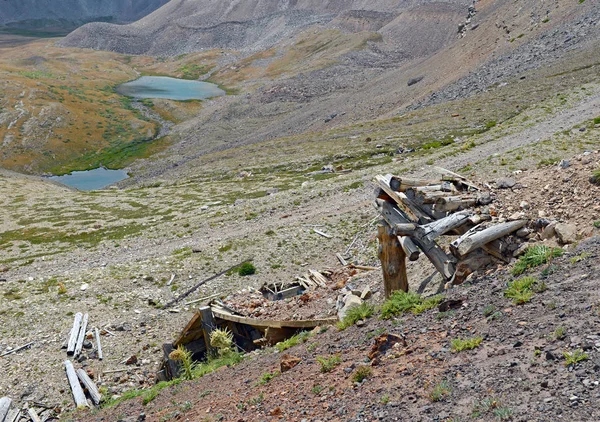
{"points": [[417, 212]]}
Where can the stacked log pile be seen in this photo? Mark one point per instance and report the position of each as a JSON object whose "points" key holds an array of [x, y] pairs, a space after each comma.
{"points": [[418, 212]]}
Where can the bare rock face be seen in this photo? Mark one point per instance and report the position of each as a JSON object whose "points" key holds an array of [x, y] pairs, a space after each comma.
{"points": [[193, 25], [69, 14]]}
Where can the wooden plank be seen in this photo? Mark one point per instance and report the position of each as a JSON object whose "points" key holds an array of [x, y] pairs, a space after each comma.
{"points": [[341, 259], [393, 261], [195, 322], [476, 238], [320, 233], [78, 395], [401, 184], [462, 179], [5, 403], [33, 415], [265, 323], [74, 333], [208, 325], [384, 184], [13, 416], [90, 386], [81, 337], [98, 344], [18, 349], [318, 277]]}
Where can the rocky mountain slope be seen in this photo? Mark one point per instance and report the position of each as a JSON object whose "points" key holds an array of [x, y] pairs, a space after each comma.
{"points": [[68, 14], [185, 26]]}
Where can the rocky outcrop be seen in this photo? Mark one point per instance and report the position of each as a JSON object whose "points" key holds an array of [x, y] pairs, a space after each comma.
{"points": [[184, 26]]}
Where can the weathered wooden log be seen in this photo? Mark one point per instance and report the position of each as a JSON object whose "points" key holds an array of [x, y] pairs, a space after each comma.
{"points": [[443, 263], [78, 395], [5, 403], [33, 415], [393, 261], [447, 174], [440, 227], [81, 336], [90, 386], [98, 344], [454, 203], [208, 326], [13, 416], [412, 210], [401, 184], [475, 238], [18, 349], [74, 333], [410, 249], [341, 259]]}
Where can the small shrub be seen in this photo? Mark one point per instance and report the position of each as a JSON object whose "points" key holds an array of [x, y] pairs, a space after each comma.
{"points": [[385, 399], [503, 413], [597, 224], [401, 302], [521, 290], [444, 315], [181, 354], [355, 314], [247, 268], [362, 373], [560, 333], [267, 377], [535, 256], [582, 257], [317, 389], [440, 391], [572, 358], [329, 363], [293, 341], [222, 340], [488, 310], [459, 344]]}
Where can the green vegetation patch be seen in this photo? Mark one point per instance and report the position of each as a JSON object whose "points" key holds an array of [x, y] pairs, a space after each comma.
{"points": [[355, 314], [401, 302], [535, 256], [521, 290], [328, 363], [293, 341], [460, 344]]}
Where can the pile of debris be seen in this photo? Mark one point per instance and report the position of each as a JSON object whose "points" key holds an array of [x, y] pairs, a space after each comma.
{"points": [[417, 212]]}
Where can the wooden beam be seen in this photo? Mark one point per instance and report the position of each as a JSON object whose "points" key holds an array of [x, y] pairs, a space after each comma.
{"points": [[13, 416], [90, 386], [5, 403], [33, 415], [442, 262], [74, 333], [98, 344], [81, 337], [410, 249], [476, 238], [393, 261], [401, 184], [265, 323], [208, 326], [462, 179], [78, 395]]}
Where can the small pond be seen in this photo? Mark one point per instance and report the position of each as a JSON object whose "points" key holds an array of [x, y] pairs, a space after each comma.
{"points": [[169, 88], [91, 179]]}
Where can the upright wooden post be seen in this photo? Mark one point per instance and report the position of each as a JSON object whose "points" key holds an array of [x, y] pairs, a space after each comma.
{"points": [[393, 261], [208, 325]]}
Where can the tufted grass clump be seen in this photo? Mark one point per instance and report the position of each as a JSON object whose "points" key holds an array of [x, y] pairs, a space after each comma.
{"points": [[535, 256], [356, 313], [459, 344], [572, 358], [328, 363], [521, 290], [401, 302], [222, 340]]}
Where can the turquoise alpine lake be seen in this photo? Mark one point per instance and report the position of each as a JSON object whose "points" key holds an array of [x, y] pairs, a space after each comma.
{"points": [[169, 88], [91, 179]]}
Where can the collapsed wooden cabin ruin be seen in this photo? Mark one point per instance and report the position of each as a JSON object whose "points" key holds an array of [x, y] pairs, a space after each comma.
{"points": [[417, 212], [248, 333]]}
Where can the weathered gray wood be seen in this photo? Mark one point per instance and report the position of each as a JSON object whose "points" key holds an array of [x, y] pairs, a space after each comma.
{"points": [[384, 183], [454, 203], [445, 173], [393, 261], [90, 386], [98, 344], [5, 403], [440, 227], [13, 416], [33, 415], [442, 262], [81, 336], [74, 333], [18, 349], [410, 249], [401, 184], [475, 238], [341, 259], [78, 395], [208, 326]]}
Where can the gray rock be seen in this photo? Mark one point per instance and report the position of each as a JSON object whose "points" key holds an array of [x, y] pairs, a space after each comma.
{"points": [[349, 302], [566, 233], [505, 183]]}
